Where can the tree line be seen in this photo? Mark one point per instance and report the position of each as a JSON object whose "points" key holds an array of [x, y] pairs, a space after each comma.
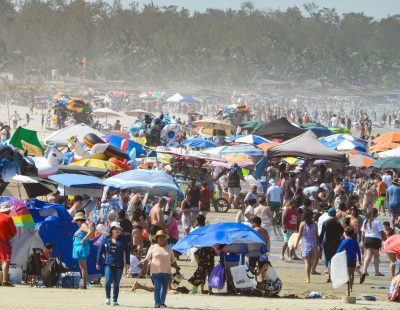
{"points": [[217, 47]]}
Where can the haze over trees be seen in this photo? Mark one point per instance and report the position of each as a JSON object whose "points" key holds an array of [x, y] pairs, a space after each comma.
{"points": [[215, 47]]}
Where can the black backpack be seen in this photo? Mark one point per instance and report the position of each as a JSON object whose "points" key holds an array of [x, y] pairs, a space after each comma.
{"points": [[51, 272], [34, 265]]}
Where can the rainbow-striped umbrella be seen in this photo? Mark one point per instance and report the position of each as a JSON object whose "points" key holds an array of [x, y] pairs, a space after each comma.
{"points": [[20, 214]]}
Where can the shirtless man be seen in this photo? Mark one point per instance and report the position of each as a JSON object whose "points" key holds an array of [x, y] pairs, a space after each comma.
{"points": [[157, 216]]}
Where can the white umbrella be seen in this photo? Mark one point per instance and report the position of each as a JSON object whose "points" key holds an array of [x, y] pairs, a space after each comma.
{"points": [[391, 153], [60, 137], [106, 112], [175, 98]]}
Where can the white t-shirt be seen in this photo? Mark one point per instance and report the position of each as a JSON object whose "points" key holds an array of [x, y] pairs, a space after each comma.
{"points": [[134, 263], [310, 191], [275, 193], [387, 179], [373, 230], [322, 219], [334, 122], [249, 210]]}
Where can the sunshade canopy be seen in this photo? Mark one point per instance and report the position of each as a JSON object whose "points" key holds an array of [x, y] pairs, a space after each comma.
{"points": [[155, 182], [306, 146], [240, 238], [76, 180], [278, 129]]}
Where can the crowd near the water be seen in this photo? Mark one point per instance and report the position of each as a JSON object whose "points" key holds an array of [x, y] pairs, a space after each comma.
{"points": [[314, 212]]}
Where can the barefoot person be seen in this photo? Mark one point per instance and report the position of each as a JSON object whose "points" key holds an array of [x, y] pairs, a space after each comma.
{"points": [[7, 232], [81, 246], [160, 258], [290, 218], [157, 217], [308, 234], [353, 252], [115, 251]]}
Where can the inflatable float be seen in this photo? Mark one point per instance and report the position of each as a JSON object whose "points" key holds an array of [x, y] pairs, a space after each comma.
{"points": [[92, 139]]}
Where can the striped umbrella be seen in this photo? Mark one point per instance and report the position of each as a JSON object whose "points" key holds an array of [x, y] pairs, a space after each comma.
{"points": [[360, 161], [247, 149]]}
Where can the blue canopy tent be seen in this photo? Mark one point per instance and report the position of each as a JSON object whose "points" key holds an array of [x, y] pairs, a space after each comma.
{"points": [[78, 184], [141, 151], [55, 226], [238, 237], [189, 99], [198, 143], [154, 182], [321, 131]]}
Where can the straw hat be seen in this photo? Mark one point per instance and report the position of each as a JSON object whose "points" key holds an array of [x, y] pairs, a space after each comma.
{"points": [[79, 216], [159, 233], [5, 207]]}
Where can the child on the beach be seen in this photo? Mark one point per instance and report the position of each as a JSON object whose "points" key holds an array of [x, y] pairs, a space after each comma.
{"points": [[388, 230], [135, 266], [352, 252], [394, 291]]}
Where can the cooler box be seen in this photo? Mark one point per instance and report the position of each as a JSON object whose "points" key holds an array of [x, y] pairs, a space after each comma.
{"points": [[70, 280]]}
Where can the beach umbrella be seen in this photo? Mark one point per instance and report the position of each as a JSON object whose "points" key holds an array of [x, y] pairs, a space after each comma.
{"points": [[96, 163], [139, 113], [213, 124], [27, 187], [313, 125], [344, 142], [388, 162], [61, 136], [360, 161], [249, 139], [189, 99], [391, 153], [266, 146], [339, 130], [247, 149], [175, 98], [198, 143], [76, 180], [392, 136], [238, 237], [251, 124], [105, 112], [154, 182], [320, 131], [385, 146]]}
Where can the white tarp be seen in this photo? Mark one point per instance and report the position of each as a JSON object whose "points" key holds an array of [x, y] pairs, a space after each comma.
{"points": [[175, 98], [60, 137]]}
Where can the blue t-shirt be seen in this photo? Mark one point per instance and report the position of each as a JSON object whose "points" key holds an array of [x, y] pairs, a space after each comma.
{"points": [[394, 196], [352, 251]]}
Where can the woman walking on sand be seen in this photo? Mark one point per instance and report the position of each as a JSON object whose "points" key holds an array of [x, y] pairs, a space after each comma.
{"points": [[308, 234]]}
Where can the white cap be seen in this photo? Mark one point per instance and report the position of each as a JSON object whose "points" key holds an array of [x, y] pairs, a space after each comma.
{"points": [[324, 186], [271, 182], [115, 224]]}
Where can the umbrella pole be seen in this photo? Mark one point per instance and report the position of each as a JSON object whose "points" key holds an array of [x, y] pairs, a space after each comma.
{"points": [[19, 191]]}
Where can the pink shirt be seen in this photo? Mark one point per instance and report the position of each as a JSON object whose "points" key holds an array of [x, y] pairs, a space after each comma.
{"points": [[172, 227], [160, 259]]}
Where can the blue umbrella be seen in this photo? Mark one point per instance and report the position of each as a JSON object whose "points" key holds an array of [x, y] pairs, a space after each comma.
{"points": [[76, 180], [344, 142], [240, 238], [154, 182], [198, 143], [249, 139]]}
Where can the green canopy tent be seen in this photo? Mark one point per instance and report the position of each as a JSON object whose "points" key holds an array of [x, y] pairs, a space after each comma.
{"points": [[313, 125], [26, 139], [251, 124]]}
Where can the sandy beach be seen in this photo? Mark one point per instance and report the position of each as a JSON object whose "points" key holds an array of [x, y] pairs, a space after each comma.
{"points": [[294, 290]]}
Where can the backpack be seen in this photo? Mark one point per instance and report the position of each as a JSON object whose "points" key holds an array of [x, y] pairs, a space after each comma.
{"points": [[34, 265], [51, 272]]}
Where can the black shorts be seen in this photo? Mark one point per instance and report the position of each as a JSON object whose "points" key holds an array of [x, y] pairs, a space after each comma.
{"points": [[205, 208], [372, 243]]}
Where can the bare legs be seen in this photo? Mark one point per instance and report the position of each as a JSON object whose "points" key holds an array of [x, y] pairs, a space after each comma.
{"points": [[5, 267], [83, 267]]}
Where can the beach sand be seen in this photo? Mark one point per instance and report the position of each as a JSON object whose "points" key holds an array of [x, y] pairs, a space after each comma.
{"points": [[291, 273]]}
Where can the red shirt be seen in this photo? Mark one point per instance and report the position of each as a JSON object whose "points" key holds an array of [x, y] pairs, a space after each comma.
{"points": [[7, 227], [205, 195], [290, 220]]}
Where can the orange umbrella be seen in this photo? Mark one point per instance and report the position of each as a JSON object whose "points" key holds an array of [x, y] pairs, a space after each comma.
{"points": [[392, 136], [381, 147], [266, 146], [360, 160]]}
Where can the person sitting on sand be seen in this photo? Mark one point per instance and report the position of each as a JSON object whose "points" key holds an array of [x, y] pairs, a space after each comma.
{"points": [[268, 280], [394, 290]]}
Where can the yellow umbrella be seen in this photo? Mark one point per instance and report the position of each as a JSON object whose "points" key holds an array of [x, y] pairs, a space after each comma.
{"points": [[96, 163]]}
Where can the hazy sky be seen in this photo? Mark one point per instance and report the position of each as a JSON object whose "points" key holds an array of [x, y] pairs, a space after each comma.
{"points": [[375, 8]]}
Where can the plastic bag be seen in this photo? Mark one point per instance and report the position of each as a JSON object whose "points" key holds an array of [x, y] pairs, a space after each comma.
{"points": [[217, 277], [339, 273]]}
